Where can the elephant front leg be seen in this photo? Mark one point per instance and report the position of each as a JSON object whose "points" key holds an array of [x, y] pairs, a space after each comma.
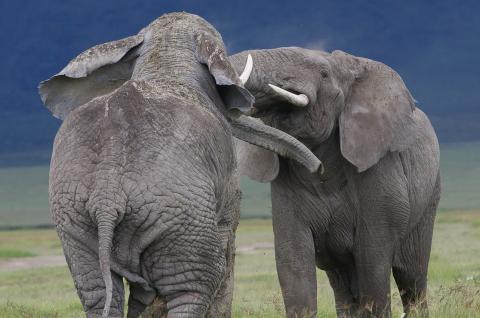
{"points": [[373, 264], [295, 259], [345, 289]]}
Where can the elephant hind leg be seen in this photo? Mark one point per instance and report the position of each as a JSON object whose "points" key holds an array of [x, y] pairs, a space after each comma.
{"points": [[410, 265], [85, 269], [187, 271], [227, 226]]}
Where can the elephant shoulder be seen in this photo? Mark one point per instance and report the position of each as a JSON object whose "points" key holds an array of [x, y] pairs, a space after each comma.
{"points": [[104, 108], [425, 130], [130, 103]]}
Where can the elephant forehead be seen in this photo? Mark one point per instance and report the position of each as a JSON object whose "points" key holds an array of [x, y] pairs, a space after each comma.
{"points": [[316, 57], [310, 56]]}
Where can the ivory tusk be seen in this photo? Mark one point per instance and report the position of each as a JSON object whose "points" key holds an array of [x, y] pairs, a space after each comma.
{"points": [[247, 70], [300, 100]]}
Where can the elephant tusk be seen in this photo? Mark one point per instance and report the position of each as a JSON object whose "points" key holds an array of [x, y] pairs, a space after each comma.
{"points": [[247, 70], [300, 100]]}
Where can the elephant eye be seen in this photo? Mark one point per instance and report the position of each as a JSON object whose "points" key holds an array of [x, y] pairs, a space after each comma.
{"points": [[324, 74]]}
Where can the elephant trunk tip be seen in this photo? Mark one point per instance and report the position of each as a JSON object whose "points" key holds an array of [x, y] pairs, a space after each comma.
{"points": [[320, 168], [314, 165]]}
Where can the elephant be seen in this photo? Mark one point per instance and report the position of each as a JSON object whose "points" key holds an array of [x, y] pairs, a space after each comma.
{"points": [[372, 211], [143, 181]]}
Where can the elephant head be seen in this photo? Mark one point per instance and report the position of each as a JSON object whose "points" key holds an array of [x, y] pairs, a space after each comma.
{"points": [[181, 50], [310, 94], [158, 52]]}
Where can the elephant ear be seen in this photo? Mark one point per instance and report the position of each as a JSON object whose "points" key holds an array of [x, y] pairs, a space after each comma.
{"points": [[378, 113], [211, 52], [95, 72], [256, 163]]}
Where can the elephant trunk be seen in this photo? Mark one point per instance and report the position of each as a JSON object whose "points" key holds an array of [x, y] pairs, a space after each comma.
{"points": [[255, 132]]}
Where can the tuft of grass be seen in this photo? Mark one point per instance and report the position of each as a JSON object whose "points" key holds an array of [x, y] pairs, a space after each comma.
{"points": [[15, 310], [42, 292]]}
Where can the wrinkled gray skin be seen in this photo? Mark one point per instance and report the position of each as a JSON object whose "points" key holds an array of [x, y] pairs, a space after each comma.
{"points": [[373, 210], [143, 182]]}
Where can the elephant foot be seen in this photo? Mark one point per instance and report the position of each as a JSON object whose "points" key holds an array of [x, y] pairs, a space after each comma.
{"points": [[158, 309]]}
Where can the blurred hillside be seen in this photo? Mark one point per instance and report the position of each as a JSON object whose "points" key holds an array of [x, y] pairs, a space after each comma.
{"points": [[24, 190], [433, 45]]}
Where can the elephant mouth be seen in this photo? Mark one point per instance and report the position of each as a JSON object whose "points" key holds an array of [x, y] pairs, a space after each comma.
{"points": [[279, 109], [272, 108], [274, 100]]}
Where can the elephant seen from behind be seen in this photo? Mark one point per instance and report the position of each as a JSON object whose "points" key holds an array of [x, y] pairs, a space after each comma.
{"points": [[143, 181]]}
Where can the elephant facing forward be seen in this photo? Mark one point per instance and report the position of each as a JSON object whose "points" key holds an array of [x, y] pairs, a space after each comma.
{"points": [[373, 209], [143, 182]]}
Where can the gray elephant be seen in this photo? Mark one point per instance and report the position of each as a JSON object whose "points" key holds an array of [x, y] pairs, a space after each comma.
{"points": [[373, 209], [143, 182]]}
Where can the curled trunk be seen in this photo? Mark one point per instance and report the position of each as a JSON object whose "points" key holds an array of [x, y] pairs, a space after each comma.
{"points": [[256, 133]]}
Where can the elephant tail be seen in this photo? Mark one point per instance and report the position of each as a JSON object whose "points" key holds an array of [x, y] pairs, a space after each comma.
{"points": [[106, 226]]}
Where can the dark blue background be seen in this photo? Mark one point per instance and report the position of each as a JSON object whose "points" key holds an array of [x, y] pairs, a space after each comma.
{"points": [[434, 45]]}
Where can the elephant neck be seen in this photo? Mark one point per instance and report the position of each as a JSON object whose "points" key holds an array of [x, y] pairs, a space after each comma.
{"points": [[331, 157], [169, 63], [329, 152]]}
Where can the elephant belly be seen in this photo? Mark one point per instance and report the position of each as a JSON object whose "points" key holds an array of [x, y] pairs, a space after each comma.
{"points": [[334, 242], [333, 250]]}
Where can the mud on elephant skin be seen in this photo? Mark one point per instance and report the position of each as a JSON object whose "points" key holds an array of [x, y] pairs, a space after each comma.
{"points": [[143, 181], [373, 210]]}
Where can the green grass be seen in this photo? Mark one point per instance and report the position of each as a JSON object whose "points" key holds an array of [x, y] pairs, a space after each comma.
{"points": [[31, 242], [43, 292], [454, 274], [9, 253]]}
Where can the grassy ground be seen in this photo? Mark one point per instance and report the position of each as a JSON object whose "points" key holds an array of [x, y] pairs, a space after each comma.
{"points": [[23, 243], [454, 276]]}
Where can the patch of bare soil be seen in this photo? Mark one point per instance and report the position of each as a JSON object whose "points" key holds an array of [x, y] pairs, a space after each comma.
{"points": [[32, 262], [254, 247], [59, 260]]}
